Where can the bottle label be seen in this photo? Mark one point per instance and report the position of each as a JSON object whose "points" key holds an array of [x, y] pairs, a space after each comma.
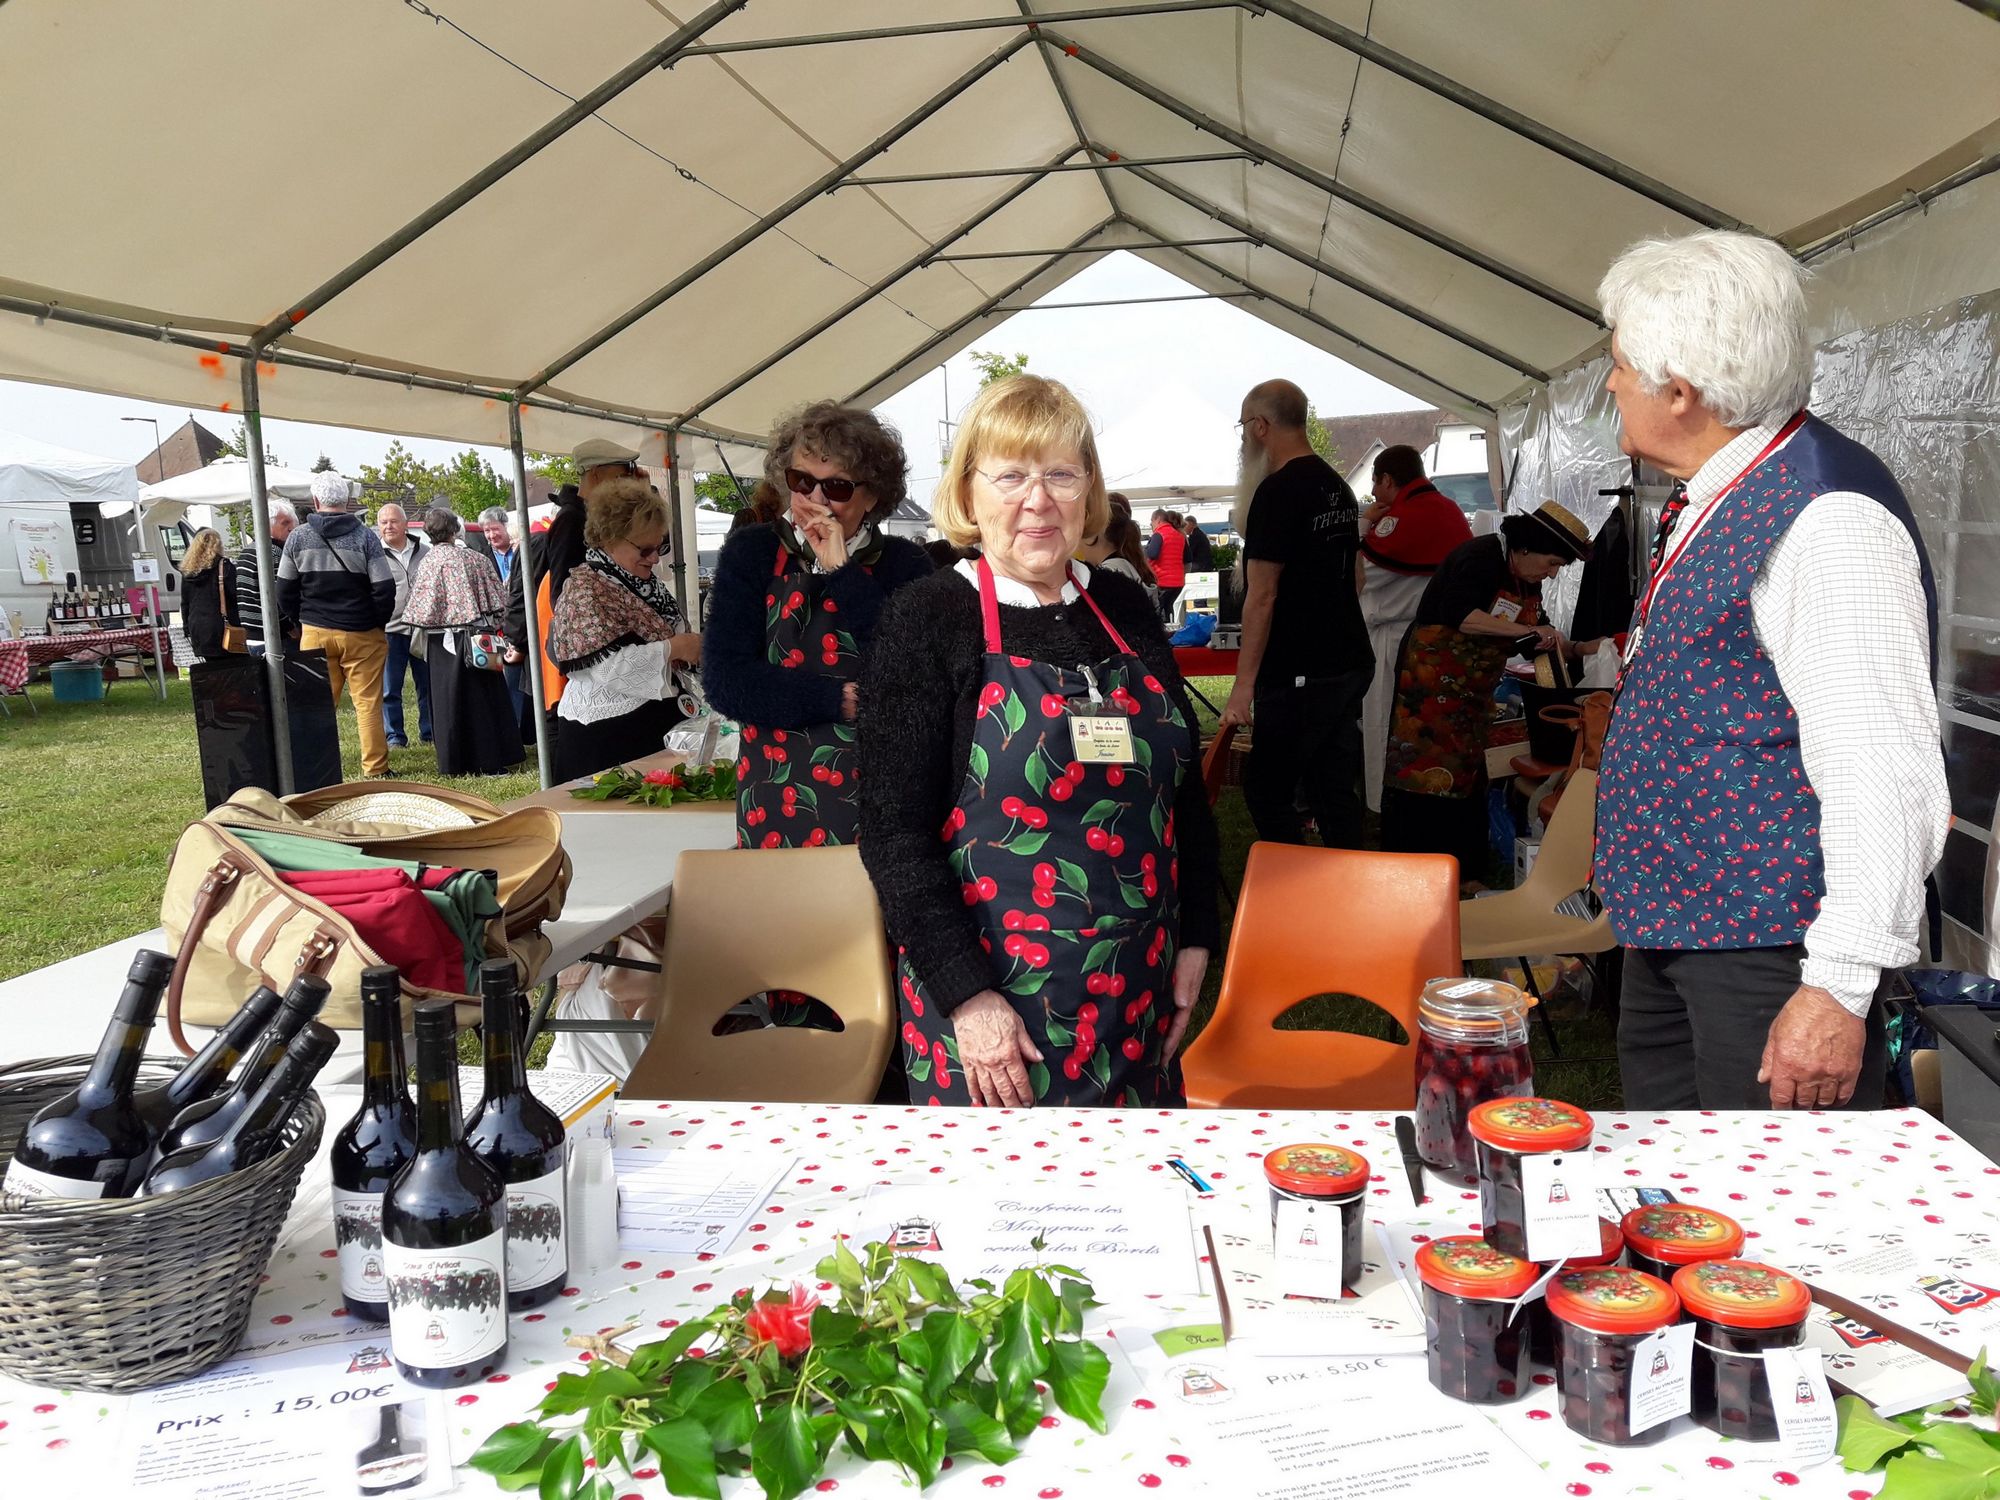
{"points": [[357, 1235], [378, 1476], [24, 1181], [537, 1231], [447, 1307]]}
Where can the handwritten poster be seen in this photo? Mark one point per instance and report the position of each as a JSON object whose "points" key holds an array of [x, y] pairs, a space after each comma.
{"points": [[38, 549]]}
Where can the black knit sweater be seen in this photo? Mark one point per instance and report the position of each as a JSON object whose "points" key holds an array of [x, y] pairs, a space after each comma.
{"points": [[919, 695], [736, 670]]}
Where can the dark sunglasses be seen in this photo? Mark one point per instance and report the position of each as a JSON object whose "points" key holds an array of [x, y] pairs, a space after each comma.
{"points": [[837, 491], [649, 552]]}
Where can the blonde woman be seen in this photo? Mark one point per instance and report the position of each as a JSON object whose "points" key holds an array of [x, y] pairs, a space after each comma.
{"points": [[208, 585], [1032, 812]]}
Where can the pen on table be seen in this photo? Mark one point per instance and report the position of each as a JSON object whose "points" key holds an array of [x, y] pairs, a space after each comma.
{"points": [[1188, 1173]]}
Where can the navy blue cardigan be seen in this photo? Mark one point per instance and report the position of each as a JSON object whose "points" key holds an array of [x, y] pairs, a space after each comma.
{"points": [[736, 671]]}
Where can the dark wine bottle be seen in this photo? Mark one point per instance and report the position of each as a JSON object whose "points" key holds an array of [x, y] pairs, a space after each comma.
{"points": [[206, 1071], [92, 1143], [523, 1141], [444, 1231], [258, 1131], [392, 1462], [372, 1148], [203, 1122]]}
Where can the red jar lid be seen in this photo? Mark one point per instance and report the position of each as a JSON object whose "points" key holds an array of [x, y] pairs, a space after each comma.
{"points": [[1530, 1124], [1316, 1169], [1610, 1242], [1742, 1294], [1680, 1234], [1466, 1266], [1611, 1299]]}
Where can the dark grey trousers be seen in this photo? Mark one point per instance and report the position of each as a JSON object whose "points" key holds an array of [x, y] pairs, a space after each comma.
{"points": [[1692, 1025]]}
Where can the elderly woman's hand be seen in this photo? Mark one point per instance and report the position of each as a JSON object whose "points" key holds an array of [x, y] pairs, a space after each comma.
{"points": [[993, 1041], [821, 529], [1190, 966]]}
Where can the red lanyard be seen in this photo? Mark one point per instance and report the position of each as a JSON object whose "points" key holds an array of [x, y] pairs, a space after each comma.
{"points": [[989, 606], [1687, 532]]}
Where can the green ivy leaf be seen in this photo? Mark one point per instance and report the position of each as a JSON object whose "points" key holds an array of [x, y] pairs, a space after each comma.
{"points": [[841, 1268], [1964, 1445], [784, 1453], [1020, 1352], [953, 1345], [1865, 1439], [562, 1474], [834, 1330], [1028, 843], [932, 1281], [726, 1410], [1077, 1375], [1985, 1386], [918, 1440], [1073, 877], [1915, 1476], [686, 1457], [967, 1429], [516, 1446], [656, 1356]]}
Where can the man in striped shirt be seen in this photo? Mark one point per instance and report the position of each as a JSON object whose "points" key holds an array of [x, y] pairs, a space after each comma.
{"points": [[247, 608]]}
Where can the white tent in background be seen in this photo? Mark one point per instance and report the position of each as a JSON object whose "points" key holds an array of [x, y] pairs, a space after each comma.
{"points": [[224, 482], [37, 473], [1176, 447]]}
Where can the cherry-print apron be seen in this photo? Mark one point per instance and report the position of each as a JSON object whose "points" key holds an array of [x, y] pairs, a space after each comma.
{"points": [[1071, 871], [796, 788]]}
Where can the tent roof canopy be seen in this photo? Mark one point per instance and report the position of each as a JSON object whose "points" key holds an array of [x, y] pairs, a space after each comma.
{"points": [[36, 473], [645, 220]]}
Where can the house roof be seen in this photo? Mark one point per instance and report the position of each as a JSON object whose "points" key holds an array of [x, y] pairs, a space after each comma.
{"points": [[1356, 437], [189, 447]]}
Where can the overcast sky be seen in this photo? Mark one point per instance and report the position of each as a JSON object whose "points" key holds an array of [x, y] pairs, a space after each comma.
{"points": [[1162, 380]]}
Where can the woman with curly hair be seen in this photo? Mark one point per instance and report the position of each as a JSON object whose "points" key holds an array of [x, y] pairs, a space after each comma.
{"points": [[793, 607]]}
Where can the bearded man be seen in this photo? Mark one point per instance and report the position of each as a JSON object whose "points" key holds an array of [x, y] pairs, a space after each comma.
{"points": [[1305, 662]]}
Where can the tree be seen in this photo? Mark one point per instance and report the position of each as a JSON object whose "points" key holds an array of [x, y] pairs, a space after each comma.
{"points": [[238, 446], [323, 466], [558, 468], [720, 492], [401, 478], [469, 485], [1321, 440], [994, 366]]}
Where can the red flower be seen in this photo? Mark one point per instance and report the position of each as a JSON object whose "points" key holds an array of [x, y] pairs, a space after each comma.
{"points": [[658, 777], [787, 1324]]}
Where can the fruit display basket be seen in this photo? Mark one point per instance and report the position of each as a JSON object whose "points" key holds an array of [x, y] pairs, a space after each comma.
{"points": [[126, 1293]]}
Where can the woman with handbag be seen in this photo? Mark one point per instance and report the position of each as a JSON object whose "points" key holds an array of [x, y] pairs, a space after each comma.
{"points": [[456, 597], [618, 635], [208, 583]]}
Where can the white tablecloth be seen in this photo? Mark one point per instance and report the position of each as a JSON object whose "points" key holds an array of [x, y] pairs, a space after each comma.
{"points": [[1781, 1175]]}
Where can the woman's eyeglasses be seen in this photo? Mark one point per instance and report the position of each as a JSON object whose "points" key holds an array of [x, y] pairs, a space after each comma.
{"points": [[1063, 485], [836, 491], [647, 554]]}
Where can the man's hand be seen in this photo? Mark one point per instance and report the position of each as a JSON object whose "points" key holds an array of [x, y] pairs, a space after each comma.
{"points": [[512, 656], [1812, 1056], [992, 1043], [1237, 710], [1190, 964]]}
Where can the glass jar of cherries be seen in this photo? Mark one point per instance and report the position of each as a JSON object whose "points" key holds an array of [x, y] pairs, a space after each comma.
{"points": [[1740, 1309], [1326, 1176], [1474, 1343], [1504, 1131], [1541, 1326], [1472, 1045], [1602, 1316], [1660, 1238]]}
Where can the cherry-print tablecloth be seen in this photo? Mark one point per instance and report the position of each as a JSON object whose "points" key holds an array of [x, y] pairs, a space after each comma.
{"points": [[1787, 1177]]}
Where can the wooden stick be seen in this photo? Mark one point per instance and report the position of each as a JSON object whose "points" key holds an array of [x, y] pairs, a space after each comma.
{"points": [[1908, 1338], [601, 1345]]}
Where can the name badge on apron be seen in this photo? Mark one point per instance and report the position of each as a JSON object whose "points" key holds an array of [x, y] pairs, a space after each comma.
{"points": [[1096, 738], [1506, 609]]}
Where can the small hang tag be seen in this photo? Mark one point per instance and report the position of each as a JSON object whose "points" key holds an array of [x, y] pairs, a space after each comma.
{"points": [[1559, 1192], [1808, 1427], [1101, 739], [1306, 1244], [1662, 1377]]}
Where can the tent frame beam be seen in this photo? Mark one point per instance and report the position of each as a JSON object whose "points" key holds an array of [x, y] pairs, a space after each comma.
{"points": [[1333, 273], [279, 713], [869, 293], [1528, 128], [985, 309], [1114, 163], [916, 117], [1325, 183], [1134, 301], [1027, 19], [1220, 239], [641, 67], [1104, 179], [530, 584], [1321, 321]]}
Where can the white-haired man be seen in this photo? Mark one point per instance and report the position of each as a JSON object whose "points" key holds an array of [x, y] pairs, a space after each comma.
{"points": [[1773, 793], [335, 580], [248, 604]]}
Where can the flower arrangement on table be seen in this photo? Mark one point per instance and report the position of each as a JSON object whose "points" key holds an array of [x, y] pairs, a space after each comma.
{"points": [[901, 1368], [662, 787]]}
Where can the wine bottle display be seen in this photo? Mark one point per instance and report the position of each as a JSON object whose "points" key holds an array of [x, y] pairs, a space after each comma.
{"points": [[523, 1141], [92, 1143], [208, 1069], [204, 1122], [393, 1461], [258, 1131], [444, 1222], [372, 1148]]}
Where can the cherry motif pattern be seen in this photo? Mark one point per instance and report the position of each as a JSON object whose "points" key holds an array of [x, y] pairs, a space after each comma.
{"points": [[1070, 871]]}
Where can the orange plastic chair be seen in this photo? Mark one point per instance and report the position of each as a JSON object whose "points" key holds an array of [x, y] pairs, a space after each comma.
{"points": [[1325, 921]]}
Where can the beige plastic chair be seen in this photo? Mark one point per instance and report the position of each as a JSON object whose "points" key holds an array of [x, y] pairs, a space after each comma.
{"points": [[742, 921], [1520, 923]]}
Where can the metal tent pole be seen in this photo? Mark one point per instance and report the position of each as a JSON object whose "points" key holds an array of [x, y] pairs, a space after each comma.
{"points": [[1037, 254], [530, 582], [680, 493], [1111, 163], [1027, 19], [267, 581]]}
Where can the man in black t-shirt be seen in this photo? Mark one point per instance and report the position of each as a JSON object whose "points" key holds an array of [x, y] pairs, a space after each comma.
{"points": [[1305, 662]]}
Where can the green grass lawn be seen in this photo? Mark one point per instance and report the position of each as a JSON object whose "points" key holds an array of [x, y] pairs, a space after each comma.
{"points": [[93, 796]]}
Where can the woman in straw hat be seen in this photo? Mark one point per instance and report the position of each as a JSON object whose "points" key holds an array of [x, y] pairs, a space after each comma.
{"points": [[1482, 605]]}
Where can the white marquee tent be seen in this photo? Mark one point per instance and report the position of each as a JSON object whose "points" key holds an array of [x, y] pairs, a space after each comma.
{"points": [[227, 481], [687, 217], [37, 473]]}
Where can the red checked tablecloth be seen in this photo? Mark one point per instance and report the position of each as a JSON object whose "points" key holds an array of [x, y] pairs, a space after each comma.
{"points": [[94, 645], [13, 666]]}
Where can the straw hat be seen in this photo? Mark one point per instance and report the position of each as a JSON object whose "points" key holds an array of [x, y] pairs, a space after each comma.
{"points": [[410, 810], [1557, 530]]}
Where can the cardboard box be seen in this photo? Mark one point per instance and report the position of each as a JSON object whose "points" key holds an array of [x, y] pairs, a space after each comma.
{"points": [[1525, 851], [584, 1101]]}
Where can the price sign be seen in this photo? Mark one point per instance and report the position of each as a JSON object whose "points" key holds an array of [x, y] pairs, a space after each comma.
{"points": [[145, 570]]}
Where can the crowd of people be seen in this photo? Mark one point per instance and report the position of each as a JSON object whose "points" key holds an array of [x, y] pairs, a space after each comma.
{"points": [[999, 723]]}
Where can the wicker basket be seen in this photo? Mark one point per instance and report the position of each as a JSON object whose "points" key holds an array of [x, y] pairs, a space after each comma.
{"points": [[135, 1292]]}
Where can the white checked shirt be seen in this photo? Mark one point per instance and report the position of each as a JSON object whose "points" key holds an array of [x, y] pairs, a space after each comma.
{"points": [[1838, 606]]}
